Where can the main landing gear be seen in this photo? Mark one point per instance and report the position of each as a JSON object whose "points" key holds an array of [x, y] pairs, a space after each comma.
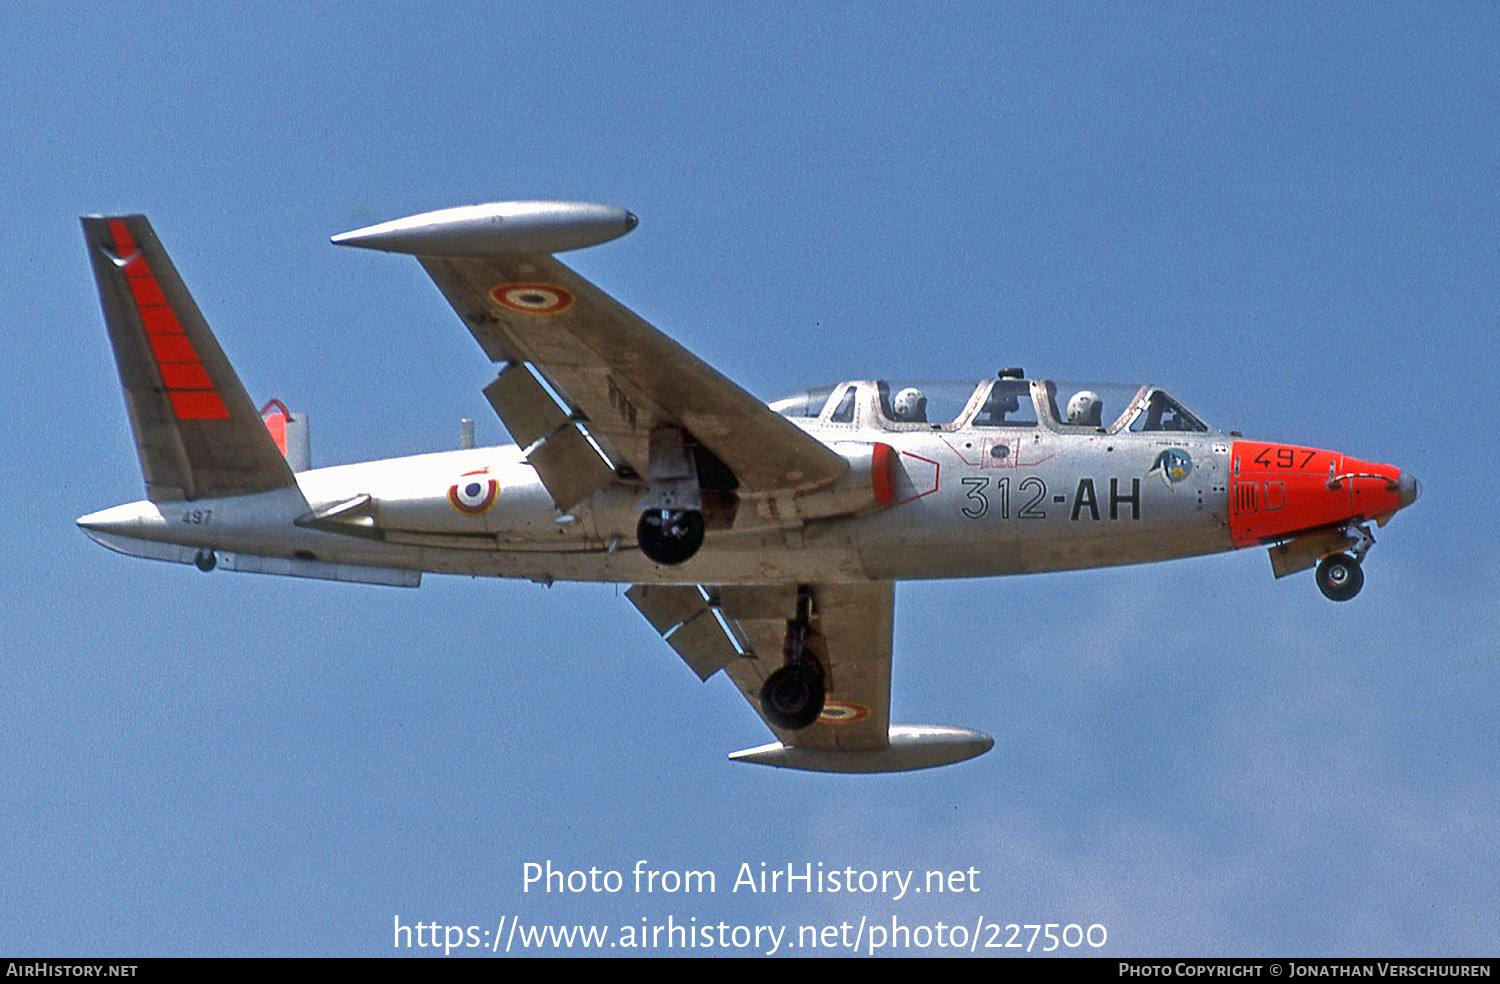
{"points": [[1339, 575], [670, 536], [792, 697], [670, 529]]}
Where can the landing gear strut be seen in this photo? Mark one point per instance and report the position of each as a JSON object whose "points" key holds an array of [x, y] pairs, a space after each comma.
{"points": [[792, 697], [1339, 575]]}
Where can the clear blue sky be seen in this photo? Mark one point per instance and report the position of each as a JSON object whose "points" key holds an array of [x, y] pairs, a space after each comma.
{"points": [[1287, 218]]}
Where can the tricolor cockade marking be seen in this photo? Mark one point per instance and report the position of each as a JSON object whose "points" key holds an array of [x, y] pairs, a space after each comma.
{"points": [[532, 298], [474, 493]]}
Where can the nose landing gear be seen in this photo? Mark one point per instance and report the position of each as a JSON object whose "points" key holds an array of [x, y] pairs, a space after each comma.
{"points": [[1339, 575], [792, 697]]}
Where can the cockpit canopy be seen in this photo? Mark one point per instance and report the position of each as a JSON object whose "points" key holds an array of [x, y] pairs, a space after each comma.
{"points": [[1006, 402]]}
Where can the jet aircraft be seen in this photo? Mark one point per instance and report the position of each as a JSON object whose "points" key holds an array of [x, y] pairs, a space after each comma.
{"points": [[763, 540]]}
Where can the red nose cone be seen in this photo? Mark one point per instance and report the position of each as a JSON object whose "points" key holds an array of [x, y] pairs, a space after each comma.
{"points": [[1280, 489]]}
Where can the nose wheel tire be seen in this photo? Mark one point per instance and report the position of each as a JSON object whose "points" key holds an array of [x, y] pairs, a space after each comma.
{"points": [[670, 536], [1339, 577], [792, 697]]}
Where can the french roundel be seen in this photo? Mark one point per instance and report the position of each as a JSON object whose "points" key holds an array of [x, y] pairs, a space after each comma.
{"points": [[532, 298], [843, 712], [473, 494]]}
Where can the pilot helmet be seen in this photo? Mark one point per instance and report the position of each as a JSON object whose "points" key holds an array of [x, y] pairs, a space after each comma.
{"points": [[1085, 408], [911, 404]]}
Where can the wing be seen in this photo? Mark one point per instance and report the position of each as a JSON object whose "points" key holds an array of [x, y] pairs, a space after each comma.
{"points": [[740, 629], [619, 374], [617, 377], [613, 381]]}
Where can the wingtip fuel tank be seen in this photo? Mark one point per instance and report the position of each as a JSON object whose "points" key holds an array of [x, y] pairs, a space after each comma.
{"points": [[498, 227], [910, 747]]}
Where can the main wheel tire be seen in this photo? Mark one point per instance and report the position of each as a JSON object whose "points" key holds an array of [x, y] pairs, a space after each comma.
{"points": [[792, 697], [670, 536], [1339, 577]]}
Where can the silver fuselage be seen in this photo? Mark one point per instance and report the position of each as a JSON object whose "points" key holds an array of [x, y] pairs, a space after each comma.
{"points": [[961, 507]]}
